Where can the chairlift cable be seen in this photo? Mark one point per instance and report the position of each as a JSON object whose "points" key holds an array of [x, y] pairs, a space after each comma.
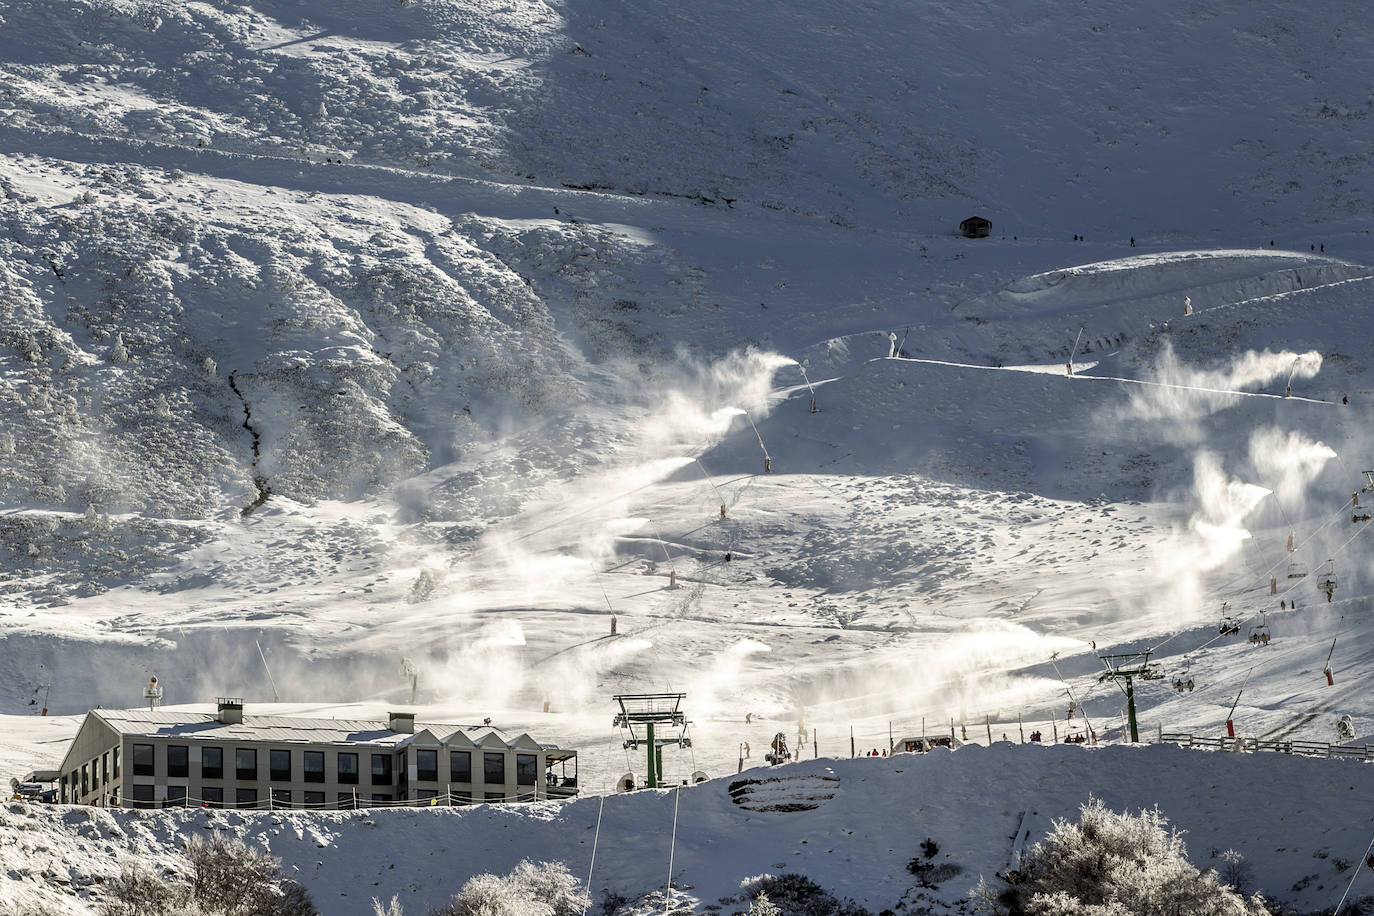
{"points": [[1230, 586], [595, 838], [1069, 691], [1368, 849], [672, 852]]}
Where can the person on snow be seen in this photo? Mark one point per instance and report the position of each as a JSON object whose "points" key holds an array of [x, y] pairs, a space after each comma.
{"points": [[891, 344], [1187, 306]]}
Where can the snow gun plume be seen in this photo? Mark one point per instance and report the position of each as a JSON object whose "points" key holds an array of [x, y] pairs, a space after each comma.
{"points": [[1182, 395]]}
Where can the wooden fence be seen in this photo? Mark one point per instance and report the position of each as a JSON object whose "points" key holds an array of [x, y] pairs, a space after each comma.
{"points": [[1255, 745]]}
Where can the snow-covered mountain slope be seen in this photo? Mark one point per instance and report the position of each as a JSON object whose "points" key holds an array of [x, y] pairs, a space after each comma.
{"points": [[443, 331], [851, 825]]}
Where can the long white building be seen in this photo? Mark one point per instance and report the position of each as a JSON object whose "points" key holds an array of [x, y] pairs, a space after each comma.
{"points": [[146, 758]]}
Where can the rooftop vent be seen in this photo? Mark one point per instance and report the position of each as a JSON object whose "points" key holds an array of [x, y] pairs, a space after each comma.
{"points": [[229, 710], [402, 722]]}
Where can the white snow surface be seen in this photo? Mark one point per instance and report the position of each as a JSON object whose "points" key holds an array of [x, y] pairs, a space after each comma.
{"points": [[497, 304], [858, 825]]}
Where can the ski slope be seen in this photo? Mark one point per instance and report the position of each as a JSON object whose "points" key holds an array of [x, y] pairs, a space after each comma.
{"points": [[483, 314]]}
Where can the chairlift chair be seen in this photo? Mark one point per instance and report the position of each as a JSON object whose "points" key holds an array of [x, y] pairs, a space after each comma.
{"points": [[1327, 581], [1260, 635], [1297, 570], [1183, 680], [1369, 485], [1229, 627]]}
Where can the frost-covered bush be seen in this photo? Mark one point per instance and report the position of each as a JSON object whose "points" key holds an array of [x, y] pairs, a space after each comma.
{"points": [[762, 906], [231, 878], [225, 878], [531, 889], [140, 893], [1110, 864]]}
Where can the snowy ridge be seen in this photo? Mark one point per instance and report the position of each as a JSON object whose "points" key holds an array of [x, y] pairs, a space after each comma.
{"points": [[1291, 818]]}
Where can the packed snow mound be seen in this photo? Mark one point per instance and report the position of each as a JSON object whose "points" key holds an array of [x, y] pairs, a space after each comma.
{"points": [[852, 826]]}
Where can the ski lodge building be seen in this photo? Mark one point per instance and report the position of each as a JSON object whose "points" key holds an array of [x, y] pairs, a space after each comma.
{"points": [[154, 758]]}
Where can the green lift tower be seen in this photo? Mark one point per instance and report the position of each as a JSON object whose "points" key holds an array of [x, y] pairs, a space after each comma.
{"points": [[1127, 668], [653, 720]]}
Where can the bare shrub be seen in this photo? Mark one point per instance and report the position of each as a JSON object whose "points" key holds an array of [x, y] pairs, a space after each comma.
{"points": [[230, 878], [140, 893]]}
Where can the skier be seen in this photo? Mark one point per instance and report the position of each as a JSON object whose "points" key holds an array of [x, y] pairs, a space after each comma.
{"points": [[1288, 391], [1345, 400], [612, 624], [1068, 368], [1187, 305], [891, 344]]}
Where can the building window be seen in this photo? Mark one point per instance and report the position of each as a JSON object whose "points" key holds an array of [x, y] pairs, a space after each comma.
{"points": [[494, 768], [380, 799], [314, 766], [427, 766], [85, 781], [211, 763], [246, 798], [105, 768], [178, 760], [176, 796], [63, 784], [426, 794], [526, 769], [381, 770], [143, 797], [348, 769], [115, 755], [281, 798], [95, 777], [212, 796], [495, 796], [314, 799], [246, 764], [143, 760], [279, 765], [460, 766]]}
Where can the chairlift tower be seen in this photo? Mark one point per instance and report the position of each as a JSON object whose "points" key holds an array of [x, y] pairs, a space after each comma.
{"points": [[642, 715], [1127, 668]]}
